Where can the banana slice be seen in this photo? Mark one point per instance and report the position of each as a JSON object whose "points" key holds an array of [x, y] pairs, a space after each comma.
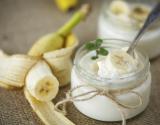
{"points": [[41, 83], [140, 12], [117, 63], [46, 112], [119, 7], [13, 69], [122, 61]]}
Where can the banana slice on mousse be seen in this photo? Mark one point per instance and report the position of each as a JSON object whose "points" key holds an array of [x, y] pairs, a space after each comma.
{"points": [[117, 63], [140, 12]]}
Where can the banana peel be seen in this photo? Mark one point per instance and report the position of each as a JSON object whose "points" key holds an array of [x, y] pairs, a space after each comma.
{"points": [[46, 112], [60, 60], [13, 69], [53, 41], [5, 86]]}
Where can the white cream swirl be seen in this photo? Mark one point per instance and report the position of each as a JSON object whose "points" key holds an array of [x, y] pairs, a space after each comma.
{"points": [[116, 64]]}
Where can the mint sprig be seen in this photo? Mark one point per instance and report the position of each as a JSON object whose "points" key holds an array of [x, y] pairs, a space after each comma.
{"points": [[97, 46]]}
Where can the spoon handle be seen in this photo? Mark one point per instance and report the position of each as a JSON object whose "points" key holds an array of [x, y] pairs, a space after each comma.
{"points": [[155, 13]]}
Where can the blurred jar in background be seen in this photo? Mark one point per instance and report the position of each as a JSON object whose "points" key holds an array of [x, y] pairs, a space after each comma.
{"points": [[123, 19]]}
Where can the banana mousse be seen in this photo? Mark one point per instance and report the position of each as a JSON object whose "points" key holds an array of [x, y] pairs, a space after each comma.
{"points": [[109, 84], [123, 19]]}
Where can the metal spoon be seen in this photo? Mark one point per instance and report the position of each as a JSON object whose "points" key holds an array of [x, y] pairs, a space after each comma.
{"points": [[155, 13]]}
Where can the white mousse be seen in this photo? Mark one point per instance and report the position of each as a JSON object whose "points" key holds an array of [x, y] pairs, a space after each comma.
{"points": [[116, 64]]}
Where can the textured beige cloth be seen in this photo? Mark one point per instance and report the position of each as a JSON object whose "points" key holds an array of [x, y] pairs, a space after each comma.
{"points": [[21, 23]]}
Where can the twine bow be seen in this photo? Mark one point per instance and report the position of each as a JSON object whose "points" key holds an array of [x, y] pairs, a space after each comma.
{"points": [[112, 95]]}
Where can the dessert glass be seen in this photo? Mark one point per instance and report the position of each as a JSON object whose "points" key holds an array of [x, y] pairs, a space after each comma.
{"points": [[101, 107], [111, 27]]}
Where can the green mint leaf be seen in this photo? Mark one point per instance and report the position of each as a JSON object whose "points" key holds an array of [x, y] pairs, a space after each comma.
{"points": [[99, 42], [94, 57], [90, 46], [102, 51]]}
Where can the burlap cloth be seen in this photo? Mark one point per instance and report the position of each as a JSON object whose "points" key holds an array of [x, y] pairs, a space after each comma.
{"points": [[21, 23]]}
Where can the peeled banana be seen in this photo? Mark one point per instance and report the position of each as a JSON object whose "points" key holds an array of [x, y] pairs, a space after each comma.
{"points": [[46, 111], [49, 56], [41, 83], [66, 5]]}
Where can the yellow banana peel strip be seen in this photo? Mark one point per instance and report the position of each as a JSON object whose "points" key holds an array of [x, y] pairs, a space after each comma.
{"points": [[57, 59], [60, 61], [2, 85], [13, 69], [46, 111]]}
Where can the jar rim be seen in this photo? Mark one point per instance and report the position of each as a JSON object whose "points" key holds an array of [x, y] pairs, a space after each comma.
{"points": [[88, 76]]}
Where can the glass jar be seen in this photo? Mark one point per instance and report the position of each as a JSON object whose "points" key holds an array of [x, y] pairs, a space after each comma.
{"points": [[111, 27], [101, 107]]}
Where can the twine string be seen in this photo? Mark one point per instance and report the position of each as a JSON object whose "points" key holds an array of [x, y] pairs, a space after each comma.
{"points": [[85, 96]]}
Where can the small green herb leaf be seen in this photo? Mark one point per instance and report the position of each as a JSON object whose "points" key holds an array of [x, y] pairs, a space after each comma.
{"points": [[90, 46], [99, 42], [94, 57], [97, 46], [102, 51]]}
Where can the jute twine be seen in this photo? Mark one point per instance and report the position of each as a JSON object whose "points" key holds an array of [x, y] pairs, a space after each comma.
{"points": [[96, 91]]}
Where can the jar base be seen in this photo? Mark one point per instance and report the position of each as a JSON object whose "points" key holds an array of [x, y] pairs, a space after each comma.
{"points": [[108, 119]]}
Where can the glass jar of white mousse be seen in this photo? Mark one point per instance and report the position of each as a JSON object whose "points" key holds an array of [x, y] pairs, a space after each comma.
{"points": [[122, 27], [101, 107]]}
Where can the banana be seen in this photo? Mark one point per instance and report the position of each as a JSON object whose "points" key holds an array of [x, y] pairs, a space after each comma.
{"points": [[66, 5], [41, 83], [119, 7], [13, 69], [60, 61], [46, 111], [55, 41], [117, 63], [140, 12]]}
